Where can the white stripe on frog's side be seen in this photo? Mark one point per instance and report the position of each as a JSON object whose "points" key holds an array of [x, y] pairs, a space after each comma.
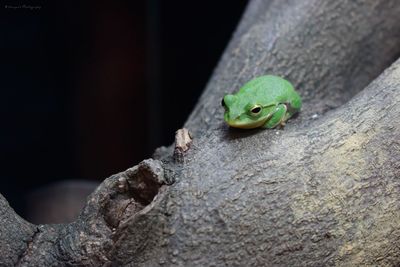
{"points": [[256, 124]]}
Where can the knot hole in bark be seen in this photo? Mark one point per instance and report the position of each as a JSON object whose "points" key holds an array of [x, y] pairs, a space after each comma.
{"points": [[134, 189]]}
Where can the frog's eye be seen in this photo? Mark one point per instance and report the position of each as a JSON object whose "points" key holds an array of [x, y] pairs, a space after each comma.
{"points": [[223, 102], [255, 110]]}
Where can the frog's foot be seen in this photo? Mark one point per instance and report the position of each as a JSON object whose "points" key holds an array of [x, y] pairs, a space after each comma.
{"points": [[279, 117]]}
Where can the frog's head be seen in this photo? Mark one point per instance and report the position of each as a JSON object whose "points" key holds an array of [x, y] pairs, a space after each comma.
{"points": [[242, 113]]}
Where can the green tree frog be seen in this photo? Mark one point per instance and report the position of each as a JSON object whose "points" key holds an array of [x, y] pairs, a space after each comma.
{"points": [[266, 101]]}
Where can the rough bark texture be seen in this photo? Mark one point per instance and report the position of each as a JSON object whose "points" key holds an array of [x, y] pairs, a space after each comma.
{"points": [[323, 191]]}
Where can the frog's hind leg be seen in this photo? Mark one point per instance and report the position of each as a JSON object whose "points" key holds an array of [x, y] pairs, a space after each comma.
{"points": [[287, 115], [279, 117]]}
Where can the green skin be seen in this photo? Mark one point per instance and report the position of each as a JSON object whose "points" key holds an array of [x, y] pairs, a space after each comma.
{"points": [[266, 101]]}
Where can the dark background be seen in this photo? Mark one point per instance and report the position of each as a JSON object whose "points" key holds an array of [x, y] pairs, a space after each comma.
{"points": [[90, 89]]}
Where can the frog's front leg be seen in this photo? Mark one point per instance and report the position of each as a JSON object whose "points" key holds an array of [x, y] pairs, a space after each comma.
{"points": [[279, 117]]}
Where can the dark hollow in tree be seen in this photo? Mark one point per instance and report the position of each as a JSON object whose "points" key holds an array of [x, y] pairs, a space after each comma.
{"points": [[323, 191]]}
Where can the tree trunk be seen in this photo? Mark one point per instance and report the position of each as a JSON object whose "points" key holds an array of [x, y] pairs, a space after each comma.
{"points": [[323, 191]]}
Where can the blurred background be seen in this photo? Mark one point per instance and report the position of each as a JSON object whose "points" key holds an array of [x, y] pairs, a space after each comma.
{"points": [[90, 88]]}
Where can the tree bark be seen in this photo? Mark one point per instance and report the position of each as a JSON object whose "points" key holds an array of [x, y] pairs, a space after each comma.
{"points": [[323, 191]]}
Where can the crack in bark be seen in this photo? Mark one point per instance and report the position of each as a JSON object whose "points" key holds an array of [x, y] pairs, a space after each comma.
{"points": [[29, 245]]}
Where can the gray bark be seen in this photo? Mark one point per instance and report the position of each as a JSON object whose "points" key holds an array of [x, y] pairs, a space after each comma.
{"points": [[322, 191]]}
